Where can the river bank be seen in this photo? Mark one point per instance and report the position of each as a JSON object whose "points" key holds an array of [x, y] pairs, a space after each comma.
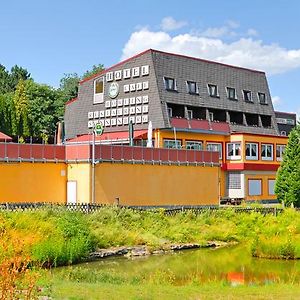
{"points": [[53, 238]]}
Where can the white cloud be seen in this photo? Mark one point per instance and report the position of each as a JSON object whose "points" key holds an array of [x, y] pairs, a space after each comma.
{"points": [[169, 24], [276, 100], [232, 24], [215, 32], [245, 52], [252, 32]]}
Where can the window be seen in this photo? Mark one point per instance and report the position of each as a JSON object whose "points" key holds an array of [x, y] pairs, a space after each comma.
{"points": [[231, 93], [233, 181], [170, 84], [262, 98], [172, 144], [189, 114], [193, 145], [211, 116], [271, 187], [98, 91], [254, 187], [216, 147], [213, 90], [267, 152], [247, 96], [233, 151], [283, 133], [192, 87], [251, 152], [170, 112], [279, 152]]}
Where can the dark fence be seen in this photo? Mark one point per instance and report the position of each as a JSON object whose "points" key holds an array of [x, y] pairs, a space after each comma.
{"points": [[171, 210]]}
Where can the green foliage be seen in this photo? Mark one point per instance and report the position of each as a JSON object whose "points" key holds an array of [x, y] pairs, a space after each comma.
{"points": [[95, 70], [287, 186], [31, 109]]}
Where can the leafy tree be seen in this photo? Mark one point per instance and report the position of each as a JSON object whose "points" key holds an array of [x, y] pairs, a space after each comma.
{"points": [[95, 70], [4, 80], [41, 109], [20, 124], [6, 113], [17, 73], [287, 186]]}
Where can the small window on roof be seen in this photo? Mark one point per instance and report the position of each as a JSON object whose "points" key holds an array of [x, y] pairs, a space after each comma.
{"points": [[262, 98], [213, 90], [170, 84], [192, 87], [231, 93], [247, 96]]}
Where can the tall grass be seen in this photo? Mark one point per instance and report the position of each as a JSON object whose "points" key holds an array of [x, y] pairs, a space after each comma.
{"points": [[54, 238]]}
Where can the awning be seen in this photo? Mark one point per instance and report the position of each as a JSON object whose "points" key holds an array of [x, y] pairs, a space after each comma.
{"points": [[119, 136], [4, 137]]}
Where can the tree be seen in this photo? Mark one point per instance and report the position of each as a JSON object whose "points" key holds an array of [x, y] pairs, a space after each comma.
{"points": [[20, 124], [41, 109], [4, 80], [17, 73], [6, 112], [95, 70], [287, 186]]}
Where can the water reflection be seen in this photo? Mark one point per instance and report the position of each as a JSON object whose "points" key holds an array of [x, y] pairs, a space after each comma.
{"points": [[234, 265]]}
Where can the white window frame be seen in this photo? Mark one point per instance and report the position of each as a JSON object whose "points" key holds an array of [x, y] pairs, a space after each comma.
{"points": [[198, 144], [271, 192], [258, 186], [219, 146], [166, 85], [209, 85], [251, 157], [258, 97], [265, 157], [177, 143], [211, 116], [170, 112], [281, 151], [244, 93], [235, 94], [235, 148], [98, 97], [189, 114], [188, 87]]}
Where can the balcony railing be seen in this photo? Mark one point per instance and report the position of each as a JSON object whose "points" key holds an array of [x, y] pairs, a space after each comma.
{"points": [[31, 152], [113, 153]]}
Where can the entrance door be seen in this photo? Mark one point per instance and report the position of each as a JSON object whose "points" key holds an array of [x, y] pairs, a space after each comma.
{"points": [[71, 192]]}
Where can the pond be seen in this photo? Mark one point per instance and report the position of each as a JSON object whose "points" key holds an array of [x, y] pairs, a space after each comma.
{"points": [[233, 265]]}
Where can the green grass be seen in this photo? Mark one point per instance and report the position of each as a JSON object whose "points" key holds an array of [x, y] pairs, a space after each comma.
{"points": [[61, 237], [81, 291]]}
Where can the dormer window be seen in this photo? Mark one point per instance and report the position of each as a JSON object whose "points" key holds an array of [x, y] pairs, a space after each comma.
{"points": [[231, 93], [192, 87], [247, 96], [98, 91], [213, 90], [262, 98], [170, 84]]}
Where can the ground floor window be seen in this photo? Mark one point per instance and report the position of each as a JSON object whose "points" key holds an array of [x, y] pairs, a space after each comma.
{"points": [[271, 186], [172, 144], [254, 187], [193, 145], [217, 147]]}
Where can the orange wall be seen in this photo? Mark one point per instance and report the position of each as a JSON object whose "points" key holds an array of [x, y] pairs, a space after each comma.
{"points": [[137, 184], [265, 189], [33, 182]]}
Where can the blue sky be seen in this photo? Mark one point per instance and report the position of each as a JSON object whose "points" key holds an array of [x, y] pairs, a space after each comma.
{"points": [[53, 37]]}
